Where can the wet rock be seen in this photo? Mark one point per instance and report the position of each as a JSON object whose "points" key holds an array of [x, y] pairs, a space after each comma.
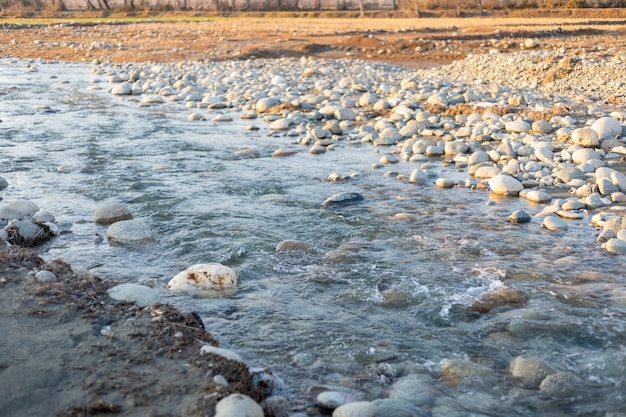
{"points": [[293, 246], [444, 183], [282, 152], [122, 89], [130, 231], [413, 388], [554, 223], [45, 276], [276, 406], [220, 380], [500, 297], [3, 183], [418, 176], [538, 196], [212, 276], [390, 407], [248, 152], [616, 246], [141, 295], [280, 124], [519, 216], [196, 117], [356, 409], [505, 185], [529, 370], [463, 372], [330, 400], [112, 212], [17, 209], [238, 405], [222, 118], [561, 384], [43, 216], [343, 198]]}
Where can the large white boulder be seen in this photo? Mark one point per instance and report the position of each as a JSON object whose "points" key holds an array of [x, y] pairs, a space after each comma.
{"points": [[211, 277]]}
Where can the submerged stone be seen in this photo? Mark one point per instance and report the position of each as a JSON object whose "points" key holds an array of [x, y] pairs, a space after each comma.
{"points": [[343, 198]]}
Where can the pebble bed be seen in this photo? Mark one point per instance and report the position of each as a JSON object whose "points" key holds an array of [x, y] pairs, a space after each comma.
{"points": [[531, 124]]}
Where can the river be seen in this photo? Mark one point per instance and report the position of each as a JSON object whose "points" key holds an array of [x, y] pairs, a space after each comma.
{"points": [[384, 296]]}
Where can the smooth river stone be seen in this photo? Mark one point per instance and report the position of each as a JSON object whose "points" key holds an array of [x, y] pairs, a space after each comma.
{"points": [[606, 187], [570, 173], [538, 196], [519, 216], [17, 209], [238, 405], [561, 384], [280, 124], [619, 180], [222, 118], [529, 370], [585, 136], [3, 183], [112, 212], [499, 297], [444, 183], [282, 152], [418, 176], [356, 409], [212, 276], [464, 372], [583, 155], [554, 223], [130, 231], [196, 117], [518, 126], [607, 127], [293, 246], [486, 172], [569, 214], [141, 295], [505, 185], [330, 399], [122, 89], [616, 246], [343, 198]]}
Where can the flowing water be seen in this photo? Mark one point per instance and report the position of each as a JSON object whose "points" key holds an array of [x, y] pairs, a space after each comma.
{"points": [[383, 298]]}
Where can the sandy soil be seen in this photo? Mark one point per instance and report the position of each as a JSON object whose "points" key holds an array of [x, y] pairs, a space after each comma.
{"points": [[409, 41]]}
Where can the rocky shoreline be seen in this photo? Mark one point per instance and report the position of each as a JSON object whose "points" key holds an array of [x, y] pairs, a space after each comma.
{"points": [[546, 126]]}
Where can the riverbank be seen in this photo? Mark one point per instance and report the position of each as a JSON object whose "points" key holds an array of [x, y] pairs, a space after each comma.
{"points": [[70, 350]]}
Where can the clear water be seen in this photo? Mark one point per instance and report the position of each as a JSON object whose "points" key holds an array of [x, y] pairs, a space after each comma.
{"points": [[321, 318]]}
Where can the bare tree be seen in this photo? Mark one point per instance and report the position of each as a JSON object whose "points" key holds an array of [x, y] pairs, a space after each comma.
{"points": [[480, 6]]}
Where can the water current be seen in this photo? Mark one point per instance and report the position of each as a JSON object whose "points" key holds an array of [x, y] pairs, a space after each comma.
{"points": [[378, 306]]}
